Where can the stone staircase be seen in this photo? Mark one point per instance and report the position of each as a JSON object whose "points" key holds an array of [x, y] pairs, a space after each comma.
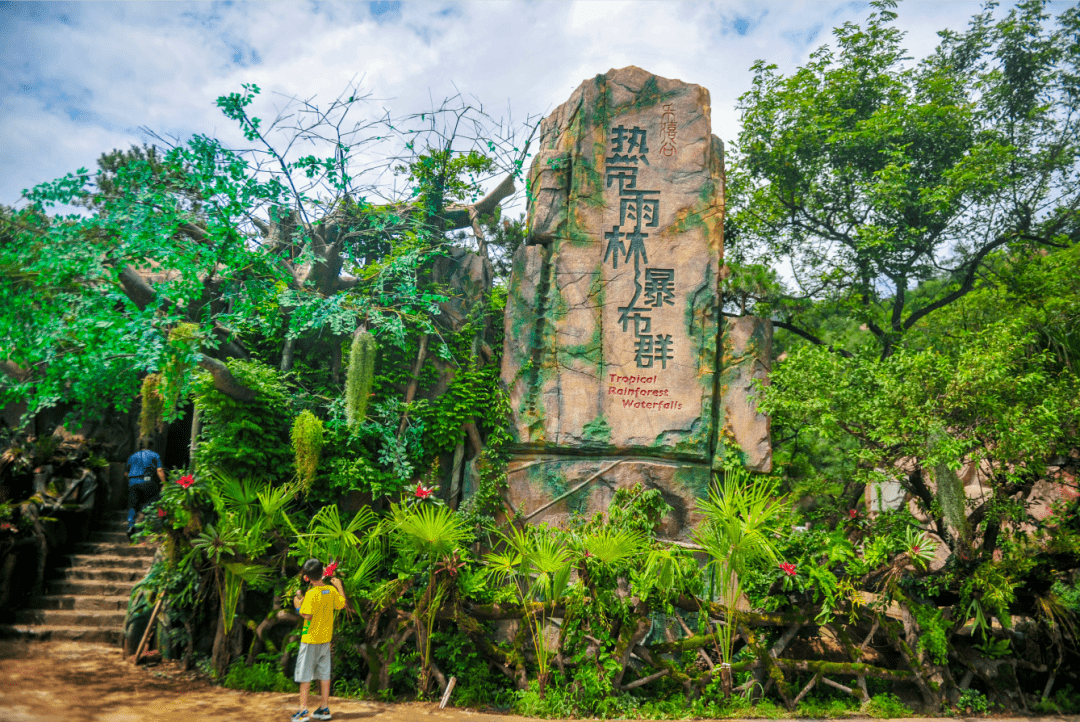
{"points": [[87, 599]]}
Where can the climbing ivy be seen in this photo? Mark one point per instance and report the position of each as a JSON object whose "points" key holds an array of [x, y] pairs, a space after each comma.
{"points": [[245, 438]]}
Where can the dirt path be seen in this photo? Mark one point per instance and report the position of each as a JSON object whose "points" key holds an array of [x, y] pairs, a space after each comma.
{"points": [[78, 682]]}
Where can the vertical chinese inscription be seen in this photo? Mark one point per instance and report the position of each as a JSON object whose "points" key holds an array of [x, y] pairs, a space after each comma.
{"points": [[667, 130], [639, 211]]}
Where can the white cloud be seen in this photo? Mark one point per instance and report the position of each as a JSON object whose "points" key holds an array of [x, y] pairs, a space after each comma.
{"points": [[81, 79]]}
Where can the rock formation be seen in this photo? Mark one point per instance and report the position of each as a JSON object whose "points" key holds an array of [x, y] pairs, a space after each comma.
{"points": [[612, 320]]}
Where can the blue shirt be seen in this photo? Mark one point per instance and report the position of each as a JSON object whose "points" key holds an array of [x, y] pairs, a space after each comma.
{"points": [[141, 463]]}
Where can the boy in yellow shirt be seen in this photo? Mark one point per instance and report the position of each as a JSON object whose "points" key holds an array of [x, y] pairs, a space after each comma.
{"points": [[317, 609]]}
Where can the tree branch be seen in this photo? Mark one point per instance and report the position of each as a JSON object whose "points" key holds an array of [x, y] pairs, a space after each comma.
{"points": [[224, 381], [806, 335]]}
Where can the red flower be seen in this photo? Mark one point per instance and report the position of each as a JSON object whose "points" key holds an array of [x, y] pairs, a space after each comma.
{"points": [[186, 480], [915, 549], [330, 569], [161, 512], [853, 513], [422, 493], [788, 568], [6, 526]]}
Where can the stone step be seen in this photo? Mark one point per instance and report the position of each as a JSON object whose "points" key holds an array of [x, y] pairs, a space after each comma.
{"points": [[109, 560], [108, 537], [123, 550], [44, 632], [102, 574], [71, 618], [74, 601], [89, 588]]}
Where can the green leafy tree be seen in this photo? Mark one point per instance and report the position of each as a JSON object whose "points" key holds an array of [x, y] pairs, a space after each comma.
{"points": [[868, 174]]}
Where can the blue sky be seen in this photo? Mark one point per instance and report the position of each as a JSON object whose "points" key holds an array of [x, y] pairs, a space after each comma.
{"points": [[83, 78]]}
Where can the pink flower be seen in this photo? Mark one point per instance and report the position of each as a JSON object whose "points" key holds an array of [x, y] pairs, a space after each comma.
{"points": [[186, 480], [161, 512], [788, 568], [422, 493], [330, 569]]}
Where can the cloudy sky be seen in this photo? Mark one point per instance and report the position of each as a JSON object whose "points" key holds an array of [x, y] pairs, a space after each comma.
{"points": [[80, 79]]}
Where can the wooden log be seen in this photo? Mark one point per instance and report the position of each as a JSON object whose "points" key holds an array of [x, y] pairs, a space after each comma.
{"points": [[842, 688], [149, 628], [446, 694], [843, 668], [644, 680], [805, 690]]}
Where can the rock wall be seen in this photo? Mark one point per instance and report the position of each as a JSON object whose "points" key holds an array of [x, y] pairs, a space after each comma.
{"points": [[612, 320]]}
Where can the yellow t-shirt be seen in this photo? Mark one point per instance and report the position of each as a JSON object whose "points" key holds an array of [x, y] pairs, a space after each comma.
{"points": [[320, 602]]}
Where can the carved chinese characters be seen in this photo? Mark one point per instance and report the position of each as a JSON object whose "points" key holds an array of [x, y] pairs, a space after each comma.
{"points": [[612, 314]]}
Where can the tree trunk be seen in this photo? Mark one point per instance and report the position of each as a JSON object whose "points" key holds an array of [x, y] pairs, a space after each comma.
{"points": [[414, 381], [287, 354]]}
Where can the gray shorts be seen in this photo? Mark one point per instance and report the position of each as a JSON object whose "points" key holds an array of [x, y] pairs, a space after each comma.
{"points": [[313, 662]]}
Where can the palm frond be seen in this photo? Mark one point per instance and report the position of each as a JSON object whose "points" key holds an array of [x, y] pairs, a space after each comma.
{"points": [[612, 546], [436, 531]]}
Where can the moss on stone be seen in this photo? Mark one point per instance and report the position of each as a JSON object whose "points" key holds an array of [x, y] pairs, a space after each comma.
{"points": [[597, 431]]}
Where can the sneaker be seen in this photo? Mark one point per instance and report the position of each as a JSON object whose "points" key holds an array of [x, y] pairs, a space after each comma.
{"points": [[301, 716], [321, 713]]}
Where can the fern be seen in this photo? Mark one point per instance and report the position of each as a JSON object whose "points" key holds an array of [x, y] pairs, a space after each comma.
{"points": [[360, 375]]}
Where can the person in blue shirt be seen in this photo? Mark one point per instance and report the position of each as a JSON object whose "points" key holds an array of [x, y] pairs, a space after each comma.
{"points": [[143, 488]]}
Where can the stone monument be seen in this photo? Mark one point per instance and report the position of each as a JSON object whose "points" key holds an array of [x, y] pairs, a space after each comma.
{"points": [[612, 319]]}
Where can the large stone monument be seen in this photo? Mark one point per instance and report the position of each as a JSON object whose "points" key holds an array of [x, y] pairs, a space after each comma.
{"points": [[612, 321]]}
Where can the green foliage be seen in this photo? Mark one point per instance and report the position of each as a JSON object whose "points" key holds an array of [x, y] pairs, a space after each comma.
{"points": [[933, 637], [360, 375], [440, 177], [741, 520], [354, 543], [1065, 700], [307, 443], [871, 174], [478, 684], [885, 706], [426, 530], [264, 675], [473, 394], [972, 702], [245, 438]]}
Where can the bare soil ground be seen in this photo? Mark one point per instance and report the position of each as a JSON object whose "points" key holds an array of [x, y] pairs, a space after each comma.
{"points": [[79, 682]]}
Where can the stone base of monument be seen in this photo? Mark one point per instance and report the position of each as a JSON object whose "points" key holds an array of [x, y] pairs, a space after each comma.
{"points": [[553, 489]]}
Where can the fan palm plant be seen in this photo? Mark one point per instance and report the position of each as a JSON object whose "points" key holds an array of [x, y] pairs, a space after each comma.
{"points": [[742, 520], [538, 566], [434, 532]]}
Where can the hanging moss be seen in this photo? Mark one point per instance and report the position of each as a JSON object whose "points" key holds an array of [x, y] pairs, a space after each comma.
{"points": [[153, 406], [307, 443], [361, 374], [183, 342], [950, 489]]}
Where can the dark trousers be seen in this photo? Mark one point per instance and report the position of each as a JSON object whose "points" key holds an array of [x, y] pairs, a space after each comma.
{"points": [[139, 495]]}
